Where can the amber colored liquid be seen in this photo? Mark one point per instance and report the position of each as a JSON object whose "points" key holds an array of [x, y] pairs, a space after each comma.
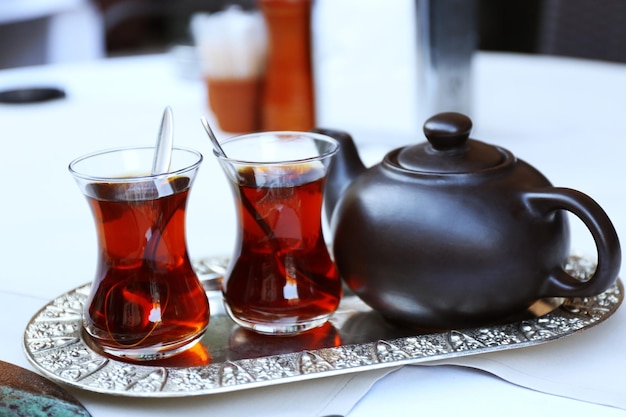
{"points": [[235, 103], [283, 271], [244, 344], [288, 97], [145, 294]]}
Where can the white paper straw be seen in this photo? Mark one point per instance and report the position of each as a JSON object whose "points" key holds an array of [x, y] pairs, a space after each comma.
{"points": [[230, 43]]}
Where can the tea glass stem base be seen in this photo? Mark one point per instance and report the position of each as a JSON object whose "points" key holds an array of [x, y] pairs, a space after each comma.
{"points": [[289, 327], [150, 353]]}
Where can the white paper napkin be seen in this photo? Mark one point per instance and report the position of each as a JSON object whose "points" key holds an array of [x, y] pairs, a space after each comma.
{"points": [[312, 398], [588, 366]]}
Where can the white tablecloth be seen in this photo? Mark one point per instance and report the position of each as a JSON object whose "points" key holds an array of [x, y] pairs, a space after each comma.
{"points": [[562, 115]]}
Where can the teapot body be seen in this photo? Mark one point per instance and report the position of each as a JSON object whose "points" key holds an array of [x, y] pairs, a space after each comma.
{"points": [[455, 232], [439, 250]]}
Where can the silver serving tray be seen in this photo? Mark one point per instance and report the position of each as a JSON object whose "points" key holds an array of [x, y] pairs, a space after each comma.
{"points": [[229, 358]]}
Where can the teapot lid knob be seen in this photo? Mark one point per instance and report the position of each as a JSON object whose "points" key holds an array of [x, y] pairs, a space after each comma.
{"points": [[449, 148], [447, 130]]}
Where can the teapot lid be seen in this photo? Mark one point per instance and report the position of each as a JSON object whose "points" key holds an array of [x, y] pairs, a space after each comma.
{"points": [[449, 149]]}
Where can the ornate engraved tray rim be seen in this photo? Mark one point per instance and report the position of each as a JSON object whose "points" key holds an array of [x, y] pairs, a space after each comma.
{"points": [[54, 345]]}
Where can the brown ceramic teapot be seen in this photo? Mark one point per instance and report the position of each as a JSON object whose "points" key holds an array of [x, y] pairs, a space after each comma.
{"points": [[454, 232]]}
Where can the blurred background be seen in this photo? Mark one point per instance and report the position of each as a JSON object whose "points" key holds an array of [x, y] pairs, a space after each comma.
{"points": [[43, 31]]}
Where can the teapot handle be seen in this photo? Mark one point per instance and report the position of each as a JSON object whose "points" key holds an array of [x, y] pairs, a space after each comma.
{"points": [[560, 283]]}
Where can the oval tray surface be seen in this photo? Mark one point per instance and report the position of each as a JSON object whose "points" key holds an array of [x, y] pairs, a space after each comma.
{"points": [[230, 358]]}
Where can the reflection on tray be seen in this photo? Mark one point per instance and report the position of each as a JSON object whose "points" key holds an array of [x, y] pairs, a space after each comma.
{"points": [[353, 323], [230, 358]]}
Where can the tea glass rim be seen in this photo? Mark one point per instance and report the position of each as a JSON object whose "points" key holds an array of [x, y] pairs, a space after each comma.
{"points": [[134, 178], [324, 138]]}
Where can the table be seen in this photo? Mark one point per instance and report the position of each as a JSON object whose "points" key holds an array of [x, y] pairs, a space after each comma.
{"points": [[562, 115]]}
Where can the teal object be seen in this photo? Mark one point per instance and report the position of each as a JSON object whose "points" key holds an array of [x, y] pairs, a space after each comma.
{"points": [[18, 403], [24, 393]]}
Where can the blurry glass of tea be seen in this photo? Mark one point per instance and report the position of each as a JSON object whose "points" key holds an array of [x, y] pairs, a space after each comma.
{"points": [[146, 301], [281, 279]]}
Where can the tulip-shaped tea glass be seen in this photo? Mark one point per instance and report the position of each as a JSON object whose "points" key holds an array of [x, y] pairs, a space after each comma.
{"points": [[146, 301], [281, 279]]}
